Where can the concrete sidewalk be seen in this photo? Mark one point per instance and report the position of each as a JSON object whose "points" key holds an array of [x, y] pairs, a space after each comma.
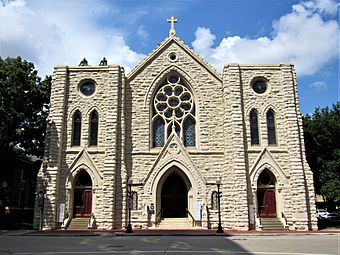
{"points": [[159, 232]]}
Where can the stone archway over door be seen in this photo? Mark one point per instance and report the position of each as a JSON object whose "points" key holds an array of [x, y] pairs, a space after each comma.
{"points": [[82, 206], [266, 198], [174, 197]]}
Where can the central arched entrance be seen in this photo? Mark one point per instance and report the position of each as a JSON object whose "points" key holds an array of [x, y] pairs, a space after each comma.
{"points": [[82, 199], [174, 196]]}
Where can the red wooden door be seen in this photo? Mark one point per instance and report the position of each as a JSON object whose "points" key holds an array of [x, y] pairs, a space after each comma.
{"points": [[267, 203], [82, 203], [87, 202]]}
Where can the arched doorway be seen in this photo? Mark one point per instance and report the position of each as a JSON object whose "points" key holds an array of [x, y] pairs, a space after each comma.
{"points": [[266, 200], [174, 197], [82, 199]]}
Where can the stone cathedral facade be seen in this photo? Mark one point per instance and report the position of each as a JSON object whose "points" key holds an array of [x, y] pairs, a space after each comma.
{"points": [[175, 127]]}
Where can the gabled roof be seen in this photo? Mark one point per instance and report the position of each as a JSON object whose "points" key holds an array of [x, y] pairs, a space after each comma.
{"points": [[180, 43]]}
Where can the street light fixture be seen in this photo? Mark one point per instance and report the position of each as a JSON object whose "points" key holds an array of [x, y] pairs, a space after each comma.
{"points": [[218, 183], [129, 195], [41, 203]]}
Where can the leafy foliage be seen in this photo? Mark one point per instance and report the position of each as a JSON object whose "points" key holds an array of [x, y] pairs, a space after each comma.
{"points": [[24, 107], [322, 140]]}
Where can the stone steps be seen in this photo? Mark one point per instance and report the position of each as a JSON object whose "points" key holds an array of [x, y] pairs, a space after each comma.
{"points": [[175, 223], [273, 224], [78, 223]]}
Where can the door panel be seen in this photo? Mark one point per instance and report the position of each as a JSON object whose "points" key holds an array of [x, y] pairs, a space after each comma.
{"points": [[82, 203], [174, 197], [266, 202]]}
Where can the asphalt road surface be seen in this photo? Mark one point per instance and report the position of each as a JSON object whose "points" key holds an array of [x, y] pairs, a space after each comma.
{"points": [[285, 244]]}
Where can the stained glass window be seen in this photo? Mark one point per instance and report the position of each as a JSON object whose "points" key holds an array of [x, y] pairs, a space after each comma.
{"points": [[76, 129], [158, 132], [254, 127], [271, 127], [189, 132], [93, 128], [174, 104]]}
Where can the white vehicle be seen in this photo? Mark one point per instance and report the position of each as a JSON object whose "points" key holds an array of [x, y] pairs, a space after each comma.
{"points": [[321, 213]]}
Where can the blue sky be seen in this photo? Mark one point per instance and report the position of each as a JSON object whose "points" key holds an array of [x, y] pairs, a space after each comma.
{"points": [[305, 33]]}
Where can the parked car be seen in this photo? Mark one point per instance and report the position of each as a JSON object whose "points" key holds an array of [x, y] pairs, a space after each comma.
{"points": [[321, 212], [329, 216]]}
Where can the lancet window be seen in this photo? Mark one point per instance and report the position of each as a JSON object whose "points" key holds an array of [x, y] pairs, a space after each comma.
{"points": [[93, 136], [254, 127], [271, 127], [173, 111], [76, 129]]}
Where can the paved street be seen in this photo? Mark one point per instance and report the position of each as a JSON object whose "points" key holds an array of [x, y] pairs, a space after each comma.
{"points": [[107, 243]]}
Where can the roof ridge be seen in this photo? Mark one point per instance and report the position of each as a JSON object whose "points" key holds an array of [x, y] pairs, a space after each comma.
{"points": [[183, 45]]}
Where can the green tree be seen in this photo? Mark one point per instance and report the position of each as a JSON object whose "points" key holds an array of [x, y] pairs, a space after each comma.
{"points": [[24, 105], [322, 140]]}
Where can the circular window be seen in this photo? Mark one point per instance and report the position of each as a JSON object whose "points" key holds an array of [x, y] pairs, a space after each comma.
{"points": [[173, 57], [174, 99], [260, 86], [87, 88]]}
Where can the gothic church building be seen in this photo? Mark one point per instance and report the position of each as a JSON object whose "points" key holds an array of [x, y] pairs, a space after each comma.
{"points": [[158, 141]]}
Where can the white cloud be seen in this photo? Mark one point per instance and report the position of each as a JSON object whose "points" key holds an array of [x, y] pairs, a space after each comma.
{"points": [[141, 32], [303, 37], [49, 33], [318, 86]]}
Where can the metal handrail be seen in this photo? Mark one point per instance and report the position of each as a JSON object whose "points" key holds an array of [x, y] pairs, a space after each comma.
{"points": [[192, 217]]}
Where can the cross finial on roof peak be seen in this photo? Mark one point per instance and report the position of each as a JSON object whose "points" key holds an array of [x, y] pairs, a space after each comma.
{"points": [[172, 22]]}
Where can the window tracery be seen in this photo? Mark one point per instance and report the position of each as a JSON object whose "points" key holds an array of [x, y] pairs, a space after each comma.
{"points": [[173, 109]]}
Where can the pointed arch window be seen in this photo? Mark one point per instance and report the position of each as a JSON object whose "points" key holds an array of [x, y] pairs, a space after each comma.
{"points": [[173, 109], [271, 130], [93, 137], [189, 132], [76, 132], [254, 127], [158, 132]]}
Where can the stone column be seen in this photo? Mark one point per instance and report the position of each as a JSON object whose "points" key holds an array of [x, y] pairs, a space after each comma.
{"points": [[234, 181], [47, 180]]}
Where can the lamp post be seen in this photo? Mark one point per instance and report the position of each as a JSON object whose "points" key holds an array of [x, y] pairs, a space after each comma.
{"points": [[129, 194], [41, 203], [218, 183]]}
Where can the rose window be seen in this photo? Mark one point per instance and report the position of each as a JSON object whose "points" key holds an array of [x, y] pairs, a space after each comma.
{"points": [[174, 109]]}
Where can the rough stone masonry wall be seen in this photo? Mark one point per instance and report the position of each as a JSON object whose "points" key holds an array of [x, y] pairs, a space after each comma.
{"points": [[48, 176], [303, 216], [209, 104], [234, 177]]}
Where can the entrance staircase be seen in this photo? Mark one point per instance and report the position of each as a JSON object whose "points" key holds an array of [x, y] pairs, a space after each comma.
{"points": [[272, 224], [175, 223], [78, 224]]}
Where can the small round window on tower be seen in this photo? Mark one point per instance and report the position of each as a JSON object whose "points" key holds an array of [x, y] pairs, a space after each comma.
{"points": [[260, 86], [87, 88]]}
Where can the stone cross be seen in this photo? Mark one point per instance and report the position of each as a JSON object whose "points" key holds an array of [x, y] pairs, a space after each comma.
{"points": [[172, 22]]}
